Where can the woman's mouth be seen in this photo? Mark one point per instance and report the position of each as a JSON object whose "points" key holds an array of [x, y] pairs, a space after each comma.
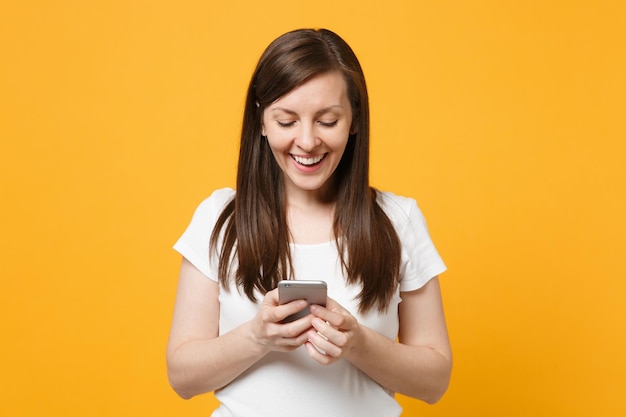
{"points": [[308, 161]]}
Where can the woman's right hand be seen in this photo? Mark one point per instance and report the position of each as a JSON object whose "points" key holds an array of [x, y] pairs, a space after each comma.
{"points": [[201, 360], [269, 331]]}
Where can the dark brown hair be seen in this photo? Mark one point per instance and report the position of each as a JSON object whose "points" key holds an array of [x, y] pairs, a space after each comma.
{"points": [[252, 228]]}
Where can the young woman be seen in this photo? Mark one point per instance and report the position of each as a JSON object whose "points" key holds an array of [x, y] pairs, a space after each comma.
{"points": [[304, 209]]}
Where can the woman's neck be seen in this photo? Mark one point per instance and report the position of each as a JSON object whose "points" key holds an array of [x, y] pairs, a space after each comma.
{"points": [[311, 223]]}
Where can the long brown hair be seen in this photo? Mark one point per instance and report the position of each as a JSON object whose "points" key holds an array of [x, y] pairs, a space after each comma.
{"points": [[252, 228]]}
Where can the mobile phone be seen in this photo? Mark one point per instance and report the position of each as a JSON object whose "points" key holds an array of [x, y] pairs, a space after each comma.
{"points": [[314, 292]]}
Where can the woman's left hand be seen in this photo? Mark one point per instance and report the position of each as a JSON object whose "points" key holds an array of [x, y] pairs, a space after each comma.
{"points": [[335, 332]]}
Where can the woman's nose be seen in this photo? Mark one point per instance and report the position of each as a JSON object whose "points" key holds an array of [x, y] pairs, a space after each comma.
{"points": [[307, 139]]}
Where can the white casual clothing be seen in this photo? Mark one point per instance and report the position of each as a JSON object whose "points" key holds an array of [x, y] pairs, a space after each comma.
{"points": [[292, 384]]}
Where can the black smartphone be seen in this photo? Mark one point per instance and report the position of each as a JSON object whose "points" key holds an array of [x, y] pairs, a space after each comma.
{"points": [[314, 292]]}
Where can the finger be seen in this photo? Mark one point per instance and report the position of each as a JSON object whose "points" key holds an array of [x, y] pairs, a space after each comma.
{"points": [[329, 333], [271, 297], [294, 342], [335, 318], [323, 345], [322, 327], [296, 329], [319, 357], [285, 310]]}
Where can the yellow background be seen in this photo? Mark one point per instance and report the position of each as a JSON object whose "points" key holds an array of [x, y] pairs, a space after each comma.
{"points": [[505, 119]]}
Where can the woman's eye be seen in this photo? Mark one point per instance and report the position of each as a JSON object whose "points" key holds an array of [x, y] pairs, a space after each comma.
{"points": [[285, 124], [328, 124]]}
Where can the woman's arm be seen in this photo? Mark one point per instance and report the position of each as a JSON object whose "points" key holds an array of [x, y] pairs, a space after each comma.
{"points": [[419, 365], [198, 360]]}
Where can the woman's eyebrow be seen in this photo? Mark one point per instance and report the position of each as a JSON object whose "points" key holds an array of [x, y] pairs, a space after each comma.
{"points": [[284, 110], [318, 113]]}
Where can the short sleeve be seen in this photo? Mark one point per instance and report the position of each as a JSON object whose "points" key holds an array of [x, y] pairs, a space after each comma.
{"points": [[193, 245], [420, 260]]}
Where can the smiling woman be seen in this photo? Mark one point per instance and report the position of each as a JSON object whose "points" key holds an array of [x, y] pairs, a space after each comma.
{"points": [[304, 210]]}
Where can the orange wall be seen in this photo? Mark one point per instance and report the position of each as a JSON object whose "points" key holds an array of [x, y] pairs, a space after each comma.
{"points": [[505, 119]]}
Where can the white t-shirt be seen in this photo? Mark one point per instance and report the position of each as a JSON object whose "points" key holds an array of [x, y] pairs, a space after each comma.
{"points": [[292, 384]]}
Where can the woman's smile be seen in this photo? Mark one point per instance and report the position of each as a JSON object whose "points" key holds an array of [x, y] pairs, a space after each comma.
{"points": [[308, 161]]}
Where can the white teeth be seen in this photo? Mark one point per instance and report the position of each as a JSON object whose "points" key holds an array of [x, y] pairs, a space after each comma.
{"points": [[307, 161]]}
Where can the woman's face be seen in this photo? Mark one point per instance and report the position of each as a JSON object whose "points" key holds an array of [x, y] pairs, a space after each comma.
{"points": [[307, 130]]}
